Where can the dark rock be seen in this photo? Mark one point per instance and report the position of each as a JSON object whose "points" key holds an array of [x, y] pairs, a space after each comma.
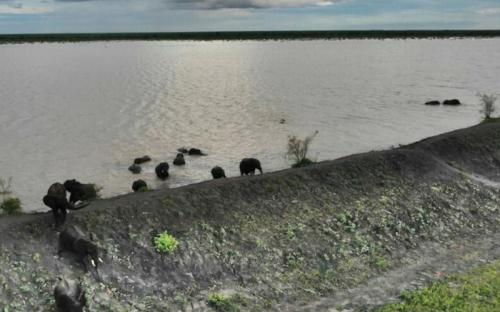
{"points": [[218, 172], [453, 102], [162, 170], [135, 168], [138, 185], [282, 120], [179, 160], [182, 150], [433, 103], [141, 160]]}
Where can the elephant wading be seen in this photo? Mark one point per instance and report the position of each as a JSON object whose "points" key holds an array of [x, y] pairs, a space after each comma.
{"points": [[179, 160], [248, 166], [162, 170], [139, 185], [69, 296]]}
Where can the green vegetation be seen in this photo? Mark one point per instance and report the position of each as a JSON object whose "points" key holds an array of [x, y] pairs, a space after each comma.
{"points": [[487, 105], [250, 35], [221, 303], [477, 291], [11, 205], [166, 243], [297, 150]]}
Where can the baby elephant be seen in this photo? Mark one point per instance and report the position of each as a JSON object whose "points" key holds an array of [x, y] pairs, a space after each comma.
{"points": [[179, 160], [72, 239], [248, 166], [218, 172], [69, 296], [80, 191], [162, 170]]}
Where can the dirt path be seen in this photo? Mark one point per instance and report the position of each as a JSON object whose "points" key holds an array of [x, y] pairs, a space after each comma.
{"points": [[421, 266]]}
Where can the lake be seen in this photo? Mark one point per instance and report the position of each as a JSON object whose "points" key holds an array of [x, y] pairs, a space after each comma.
{"points": [[86, 110]]}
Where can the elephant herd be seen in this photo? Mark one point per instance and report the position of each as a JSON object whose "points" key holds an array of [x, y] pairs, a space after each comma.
{"points": [[69, 295], [247, 166]]}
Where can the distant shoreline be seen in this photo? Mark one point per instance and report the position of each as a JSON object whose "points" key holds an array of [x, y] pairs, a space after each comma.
{"points": [[250, 35]]}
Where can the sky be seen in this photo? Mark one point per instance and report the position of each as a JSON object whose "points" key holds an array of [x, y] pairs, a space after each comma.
{"points": [[76, 16]]}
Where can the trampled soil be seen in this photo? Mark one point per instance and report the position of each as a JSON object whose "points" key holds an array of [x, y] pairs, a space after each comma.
{"points": [[345, 234]]}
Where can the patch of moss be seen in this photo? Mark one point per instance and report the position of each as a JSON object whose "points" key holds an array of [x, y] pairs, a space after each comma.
{"points": [[221, 303]]}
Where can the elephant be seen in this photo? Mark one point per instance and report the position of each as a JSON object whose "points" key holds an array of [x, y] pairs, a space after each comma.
{"points": [[57, 201], [141, 160], [218, 172], [453, 102], [432, 103], [135, 168], [195, 151], [179, 160], [162, 170], [248, 165], [139, 185], [80, 191], [69, 296], [72, 239], [183, 150]]}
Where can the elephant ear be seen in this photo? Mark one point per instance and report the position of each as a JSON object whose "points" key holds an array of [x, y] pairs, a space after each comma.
{"points": [[50, 201]]}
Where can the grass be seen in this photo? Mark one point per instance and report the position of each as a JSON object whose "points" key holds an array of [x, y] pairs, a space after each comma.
{"points": [[166, 243], [476, 291], [11, 205], [221, 303]]}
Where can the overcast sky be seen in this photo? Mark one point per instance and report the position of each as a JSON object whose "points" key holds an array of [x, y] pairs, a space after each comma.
{"points": [[50, 16]]}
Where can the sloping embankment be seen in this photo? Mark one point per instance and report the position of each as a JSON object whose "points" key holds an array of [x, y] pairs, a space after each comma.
{"points": [[278, 241]]}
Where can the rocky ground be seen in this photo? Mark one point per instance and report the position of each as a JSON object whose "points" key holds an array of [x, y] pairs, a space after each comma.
{"points": [[348, 234]]}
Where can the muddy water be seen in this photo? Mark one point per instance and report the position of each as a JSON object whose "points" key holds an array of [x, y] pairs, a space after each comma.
{"points": [[85, 110]]}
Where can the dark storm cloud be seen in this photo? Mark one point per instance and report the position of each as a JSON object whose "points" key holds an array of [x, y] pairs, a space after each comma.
{"points": [[232, 4]]}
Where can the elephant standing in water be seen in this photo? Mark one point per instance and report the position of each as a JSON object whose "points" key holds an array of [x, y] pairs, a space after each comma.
{"points": [[248, 166]]}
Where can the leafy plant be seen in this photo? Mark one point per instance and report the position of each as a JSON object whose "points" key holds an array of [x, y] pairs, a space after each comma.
{"points": [[487, 104], [297, 150], [11, 205], [220, 303], [166, 243]]}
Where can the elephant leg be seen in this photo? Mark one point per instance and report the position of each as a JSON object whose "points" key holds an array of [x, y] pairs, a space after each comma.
{"points": [[56, 216]]}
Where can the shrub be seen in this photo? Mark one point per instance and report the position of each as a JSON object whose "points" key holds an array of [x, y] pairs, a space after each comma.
{"points": [[11, 205], [298, 148], [166, 243], [220, 303], [487, 104]]}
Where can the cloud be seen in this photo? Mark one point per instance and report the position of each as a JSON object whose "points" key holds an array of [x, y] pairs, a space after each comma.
{"points": [[234, 4], [489, 11], [12, 7], [247, 4]]}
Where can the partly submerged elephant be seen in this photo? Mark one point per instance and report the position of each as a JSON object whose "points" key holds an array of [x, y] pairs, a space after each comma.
{"points": [[162, 170], [248, 166], [218, 172], [179, 160]]}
